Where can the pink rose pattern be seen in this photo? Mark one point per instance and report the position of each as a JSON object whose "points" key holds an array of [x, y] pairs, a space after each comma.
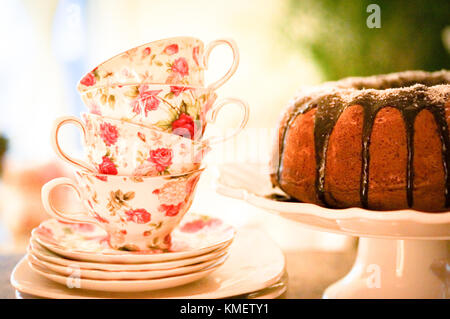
{"points": [[179, 109], [107, 166], [195, 54], [177, 90], [199, 224], [168, 240], [138, 216], [142, 216], [147, 99], [180, 66], [146, 52], [170, 210], [109, 133], [89, 79], [176, 191], [190, 185], [94, 108], [171, 49], [162, 158], [184, 126], [159, 160], [146, 169]]}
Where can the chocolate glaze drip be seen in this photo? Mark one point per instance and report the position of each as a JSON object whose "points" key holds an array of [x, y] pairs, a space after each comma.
{"points": [[281, 198], [301, 110], [409, 104], [440, 118], [324, 122]]}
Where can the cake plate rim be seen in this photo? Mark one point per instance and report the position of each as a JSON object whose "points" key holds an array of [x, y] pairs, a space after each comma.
{"points": [[288, 209]]}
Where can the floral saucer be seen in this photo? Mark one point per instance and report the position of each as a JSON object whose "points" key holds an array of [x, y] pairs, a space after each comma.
{"points": [[196, 235]]}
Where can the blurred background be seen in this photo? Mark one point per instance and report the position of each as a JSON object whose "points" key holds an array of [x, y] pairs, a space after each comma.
{"points": [[48, 45]]}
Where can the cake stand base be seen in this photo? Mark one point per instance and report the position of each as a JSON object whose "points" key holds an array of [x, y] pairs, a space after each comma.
{"points": [[401, 254], [396, 268]]}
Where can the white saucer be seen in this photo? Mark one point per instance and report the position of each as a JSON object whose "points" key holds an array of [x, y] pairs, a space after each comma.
{"points": [[125, 285], [271, 292], [46, 255], [122, 275], [255, 262], [196, 235]]}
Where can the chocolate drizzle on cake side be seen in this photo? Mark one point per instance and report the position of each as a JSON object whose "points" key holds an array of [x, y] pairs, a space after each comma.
{"points": [[408, 92]]}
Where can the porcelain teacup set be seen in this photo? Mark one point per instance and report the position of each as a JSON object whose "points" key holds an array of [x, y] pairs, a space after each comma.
{"points": [[144, 145], [143, 140]]}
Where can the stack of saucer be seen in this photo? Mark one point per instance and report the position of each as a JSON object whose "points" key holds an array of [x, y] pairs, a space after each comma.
{"points": [[79, 256], [73, 261]]}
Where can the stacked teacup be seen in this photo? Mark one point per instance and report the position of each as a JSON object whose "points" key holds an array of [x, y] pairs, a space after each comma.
{"points": [[144, 142]]}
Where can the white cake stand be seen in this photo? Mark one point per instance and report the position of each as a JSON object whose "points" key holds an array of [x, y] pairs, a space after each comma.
{"points": [[401, 254]]}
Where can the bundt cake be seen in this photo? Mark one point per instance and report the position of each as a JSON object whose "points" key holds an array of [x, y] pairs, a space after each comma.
{"points": [[379, 142]]}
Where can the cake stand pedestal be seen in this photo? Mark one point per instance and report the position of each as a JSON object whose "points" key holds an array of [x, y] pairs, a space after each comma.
{"points": [[396, 268], [401, 254]]}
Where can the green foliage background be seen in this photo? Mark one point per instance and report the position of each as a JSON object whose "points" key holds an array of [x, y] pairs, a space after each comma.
{"points": [[3, 148], [334, 33]]}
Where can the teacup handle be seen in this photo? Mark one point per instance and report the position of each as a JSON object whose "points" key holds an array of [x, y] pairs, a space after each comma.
{"points": [[233, 67], [46, 193], [59, 122], [212, 116]]}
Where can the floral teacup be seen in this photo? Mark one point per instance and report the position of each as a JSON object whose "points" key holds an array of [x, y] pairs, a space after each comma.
{"points": [[179, 60], [138, 213], [118, 147], [166, 107]]}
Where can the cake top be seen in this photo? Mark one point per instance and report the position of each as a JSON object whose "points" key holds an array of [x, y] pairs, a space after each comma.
{"points": [[394, 80], [383, 88]]}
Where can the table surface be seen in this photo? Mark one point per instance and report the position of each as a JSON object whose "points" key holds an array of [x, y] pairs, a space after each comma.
{"points": [[310, 272]]}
